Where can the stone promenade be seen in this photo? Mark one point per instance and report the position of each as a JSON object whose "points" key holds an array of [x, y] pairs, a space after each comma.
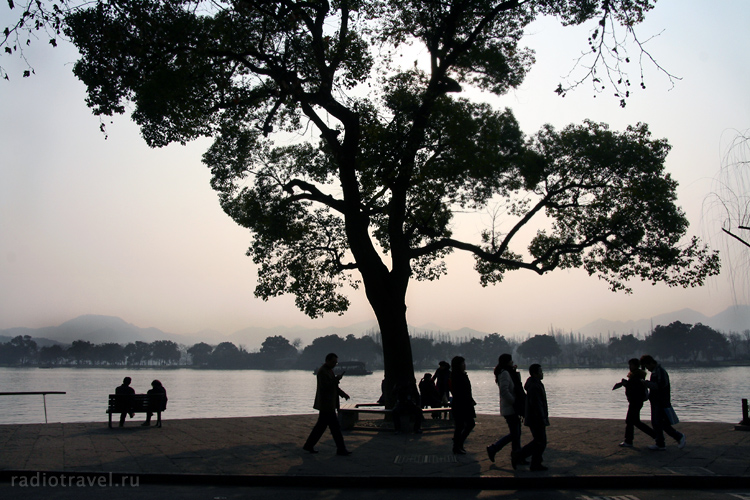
{"points": [[267, 451]]}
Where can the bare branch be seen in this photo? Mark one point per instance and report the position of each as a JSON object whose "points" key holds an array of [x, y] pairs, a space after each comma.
{"points": [[611, 56]]}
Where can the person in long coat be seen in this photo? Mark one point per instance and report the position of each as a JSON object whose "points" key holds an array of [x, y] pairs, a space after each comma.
{"points": [[661, 405], [512, 397], [536, 419], [327, 403], [462, 405]]}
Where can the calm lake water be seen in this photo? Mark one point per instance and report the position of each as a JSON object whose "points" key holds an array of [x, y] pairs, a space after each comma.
{"points": [[698, 394]]}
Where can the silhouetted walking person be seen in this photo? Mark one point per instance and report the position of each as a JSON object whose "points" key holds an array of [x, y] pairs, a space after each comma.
{"points": [[662, 414], [637, 393], [327, 402], [537, 420], [124, 391], [157, 402], [462, 404], [512, 404]]}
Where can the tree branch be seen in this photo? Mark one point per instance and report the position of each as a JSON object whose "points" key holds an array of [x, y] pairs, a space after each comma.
{"points": [[313, 194], [737, 237], [444, 243]]}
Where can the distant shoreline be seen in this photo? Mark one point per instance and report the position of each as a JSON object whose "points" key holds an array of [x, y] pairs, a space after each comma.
{"points": [[417, 369]]}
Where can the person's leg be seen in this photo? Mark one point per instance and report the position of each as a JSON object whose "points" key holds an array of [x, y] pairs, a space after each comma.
{"points": [[508, 438], [630, 420], [457, 424], [657, 419], [500, 443], [468, 427], [332, 420], [122, 419], [315, 434], [519, 457], [458, 433], [671, 431], [524, 452], [540, 444], [636, 419], [514, 426]]}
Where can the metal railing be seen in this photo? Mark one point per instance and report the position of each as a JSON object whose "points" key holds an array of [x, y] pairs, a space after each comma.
{"points": [[43, 393]]}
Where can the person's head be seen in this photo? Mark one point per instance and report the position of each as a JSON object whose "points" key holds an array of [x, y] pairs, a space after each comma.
{"points": [[458, 364], [156, 383], [444, 365], [126, 381], [332, 360], [634, 364], [648, 362], [504, 362], [427, 377], [535, 371]]}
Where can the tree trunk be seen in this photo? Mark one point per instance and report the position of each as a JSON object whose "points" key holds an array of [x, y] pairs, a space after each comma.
{"points": [[390, 311]]}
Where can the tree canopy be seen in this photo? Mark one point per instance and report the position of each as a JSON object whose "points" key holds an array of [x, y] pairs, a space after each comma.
{"points": [[348, 167], [540, 347]]}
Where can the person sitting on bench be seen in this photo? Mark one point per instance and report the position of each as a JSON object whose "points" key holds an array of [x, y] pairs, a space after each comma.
{"points": [[125, 390], [156, 404]]}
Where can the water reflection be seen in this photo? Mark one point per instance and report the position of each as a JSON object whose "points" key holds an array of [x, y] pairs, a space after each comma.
{"points": [[699, 395]]}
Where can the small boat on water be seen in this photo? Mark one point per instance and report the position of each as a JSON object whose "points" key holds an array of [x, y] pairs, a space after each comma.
{"points": [[350, 368]]}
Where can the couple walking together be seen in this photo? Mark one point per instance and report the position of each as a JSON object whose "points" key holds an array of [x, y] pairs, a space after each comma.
{"points": [[657, 391], [521, 403]]}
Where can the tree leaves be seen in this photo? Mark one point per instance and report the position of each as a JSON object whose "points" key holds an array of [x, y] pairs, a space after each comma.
{"points": [[337, 158]]}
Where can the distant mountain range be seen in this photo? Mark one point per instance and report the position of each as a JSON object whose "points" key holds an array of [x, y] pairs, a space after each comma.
{"points": [[733, 319], [103, 329]]}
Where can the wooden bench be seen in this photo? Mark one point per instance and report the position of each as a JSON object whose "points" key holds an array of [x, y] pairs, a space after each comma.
{"points": [[349, 412], [136, 403]]}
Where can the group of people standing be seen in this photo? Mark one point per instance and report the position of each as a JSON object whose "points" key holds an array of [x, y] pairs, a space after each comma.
{"points": [[520, 404]]}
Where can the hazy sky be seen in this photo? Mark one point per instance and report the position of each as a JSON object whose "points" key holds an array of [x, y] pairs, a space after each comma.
{"points": [[95, 226]]}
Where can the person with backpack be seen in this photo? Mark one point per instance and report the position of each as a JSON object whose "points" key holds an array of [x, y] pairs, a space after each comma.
{"points": [[637, 394], [512, 405]]}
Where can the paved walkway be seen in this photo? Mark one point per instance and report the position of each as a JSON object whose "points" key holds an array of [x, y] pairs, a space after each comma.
{"points": [[267, 451]]}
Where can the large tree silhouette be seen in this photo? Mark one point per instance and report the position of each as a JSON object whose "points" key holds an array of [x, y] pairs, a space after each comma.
{"points": [[375, 157]]}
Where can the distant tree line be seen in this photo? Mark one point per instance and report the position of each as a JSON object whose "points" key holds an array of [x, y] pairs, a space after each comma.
{"points": [[23, 350], [677, 342]]}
